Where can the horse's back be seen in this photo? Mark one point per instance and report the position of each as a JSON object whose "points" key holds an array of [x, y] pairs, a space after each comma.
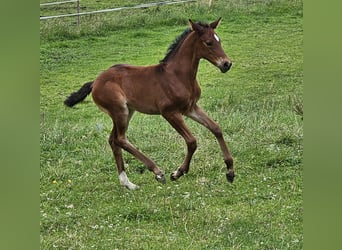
{"points": [[136, 86]]}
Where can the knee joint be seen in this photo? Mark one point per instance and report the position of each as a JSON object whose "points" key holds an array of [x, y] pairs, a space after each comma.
{"points": [[192, 144], [111, 140], [216, 130], [120, 142]]}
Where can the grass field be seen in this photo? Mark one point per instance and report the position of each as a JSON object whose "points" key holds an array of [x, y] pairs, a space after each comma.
{"points": [[258, 103]]}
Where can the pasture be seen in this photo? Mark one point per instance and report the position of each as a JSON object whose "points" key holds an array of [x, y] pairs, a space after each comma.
{"points": [[258, 104]]}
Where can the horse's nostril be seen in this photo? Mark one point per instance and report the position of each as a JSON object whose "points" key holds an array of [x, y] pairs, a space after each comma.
{"points": [[227, 65]]}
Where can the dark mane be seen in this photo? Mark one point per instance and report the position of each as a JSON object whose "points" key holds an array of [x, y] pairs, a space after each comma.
{"points": [[175, 45], [173, 48]]}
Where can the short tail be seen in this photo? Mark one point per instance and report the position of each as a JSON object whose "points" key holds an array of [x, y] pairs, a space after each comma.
{"points": [[79, 95]]}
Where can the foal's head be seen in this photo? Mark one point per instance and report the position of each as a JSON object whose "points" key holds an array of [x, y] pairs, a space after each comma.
{"points": [[209, 45]]}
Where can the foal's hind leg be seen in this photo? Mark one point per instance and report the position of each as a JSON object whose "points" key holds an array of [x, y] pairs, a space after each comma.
{"points": [[121, 120], [117, 151]]}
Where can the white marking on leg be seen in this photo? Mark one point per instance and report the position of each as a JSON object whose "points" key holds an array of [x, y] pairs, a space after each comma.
{"points": [[124, 181], [174, 174]]}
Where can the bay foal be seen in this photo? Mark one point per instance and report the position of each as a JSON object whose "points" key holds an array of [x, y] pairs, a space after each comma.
{"points": [[169, 88]]}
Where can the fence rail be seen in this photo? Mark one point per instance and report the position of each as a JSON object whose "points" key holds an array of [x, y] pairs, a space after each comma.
{"points": [[55, 3], [141, 6]]}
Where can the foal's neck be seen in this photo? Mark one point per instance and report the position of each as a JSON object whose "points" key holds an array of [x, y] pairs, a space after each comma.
{"points": [[185, 62]]}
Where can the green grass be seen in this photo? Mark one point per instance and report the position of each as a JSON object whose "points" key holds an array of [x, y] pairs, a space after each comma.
{"points": [[258, 104]]}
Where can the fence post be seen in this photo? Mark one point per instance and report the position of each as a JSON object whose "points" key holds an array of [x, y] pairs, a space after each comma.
{"points": [[78, 12]]}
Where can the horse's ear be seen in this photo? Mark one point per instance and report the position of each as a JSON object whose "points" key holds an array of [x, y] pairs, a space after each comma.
{"points": [[195, 26], [214, 24]]}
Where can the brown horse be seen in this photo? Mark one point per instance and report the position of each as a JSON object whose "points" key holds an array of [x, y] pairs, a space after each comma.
{"points": [[169, 88]]}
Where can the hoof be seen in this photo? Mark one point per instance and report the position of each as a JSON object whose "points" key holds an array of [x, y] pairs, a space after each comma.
{"points": [[230, 176], [161, 178], [131, 186]]}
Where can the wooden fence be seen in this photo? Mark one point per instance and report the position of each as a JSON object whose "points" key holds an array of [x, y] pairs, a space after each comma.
{"points": [[78, 13]]}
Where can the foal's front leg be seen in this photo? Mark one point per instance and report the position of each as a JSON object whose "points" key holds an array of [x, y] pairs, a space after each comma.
{"points": [[177, 122], [198, 115]]}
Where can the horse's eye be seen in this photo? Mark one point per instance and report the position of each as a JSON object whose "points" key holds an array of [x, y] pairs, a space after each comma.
{"points": [[208, 43]]}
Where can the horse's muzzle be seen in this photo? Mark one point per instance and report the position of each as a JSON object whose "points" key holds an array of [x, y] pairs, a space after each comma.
{"points": [[225, 66]]}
